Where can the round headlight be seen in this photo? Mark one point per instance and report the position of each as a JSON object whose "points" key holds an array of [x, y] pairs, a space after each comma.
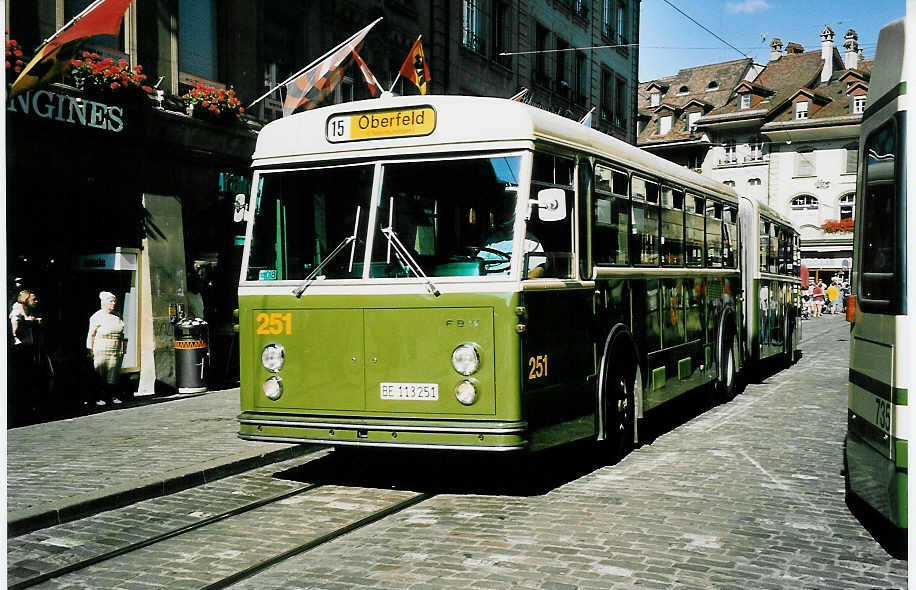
{"points": [[273, 388], [466, 392], [273, 357], [465, 359]]}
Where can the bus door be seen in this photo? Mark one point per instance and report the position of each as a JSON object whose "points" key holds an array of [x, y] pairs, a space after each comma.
{"points": [[558, 353]]}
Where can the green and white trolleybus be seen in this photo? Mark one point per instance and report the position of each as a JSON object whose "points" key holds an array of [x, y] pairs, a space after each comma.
{"points": [[883, 336], [475, 273]]}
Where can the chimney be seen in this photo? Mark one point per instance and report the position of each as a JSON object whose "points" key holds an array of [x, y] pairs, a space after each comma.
{"points": [[775, 49], [794, 48], [827, 53], [851, 45]]}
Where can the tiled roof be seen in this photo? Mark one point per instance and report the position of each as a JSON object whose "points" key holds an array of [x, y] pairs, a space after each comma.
{"points": [[782, 77], [697, 80], [837, 106]]}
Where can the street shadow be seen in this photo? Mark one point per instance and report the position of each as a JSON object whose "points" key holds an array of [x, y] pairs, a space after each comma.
{"points": [[449, 472]]}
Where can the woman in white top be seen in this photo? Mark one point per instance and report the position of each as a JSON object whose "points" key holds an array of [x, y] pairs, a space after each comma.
{"points": [[106, 344]]}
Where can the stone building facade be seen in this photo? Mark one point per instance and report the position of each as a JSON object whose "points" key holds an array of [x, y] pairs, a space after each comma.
{"points": [[787, 135]]}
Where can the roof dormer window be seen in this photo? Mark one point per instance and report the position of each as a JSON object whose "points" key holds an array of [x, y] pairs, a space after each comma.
{"points": [[664, 125], [858, 104], [801, 109], [655, 99], [713, 85], [745, 100], [692, 119], [683, 90]]}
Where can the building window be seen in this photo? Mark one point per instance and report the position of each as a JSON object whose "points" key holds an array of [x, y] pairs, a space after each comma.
{"points": [[852, 158], [620, 102], [804, 163], [753, 182], [730, 153], [471, 38], [692, 119], [664, 125], [713, 85], [540, 62], [655, 99], [607, 28], [801, 109], [622, 23], [803, 202], [607, 96], [683, 90], [197, 49], [581, 78], [745, 100], [858, 104], [847, 205], [501, 34], [562, 74], [730, 183], [755, 151]]}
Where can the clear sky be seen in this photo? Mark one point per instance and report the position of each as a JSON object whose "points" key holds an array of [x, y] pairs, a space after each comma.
{"points": [[669, 41]]}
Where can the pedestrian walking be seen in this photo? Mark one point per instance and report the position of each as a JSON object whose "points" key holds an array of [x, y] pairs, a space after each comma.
{"points": [[106, 345], [833, 294], [817, 296], [25, 329]]}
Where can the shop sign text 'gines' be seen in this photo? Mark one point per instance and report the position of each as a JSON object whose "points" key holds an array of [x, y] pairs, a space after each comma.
{"points": [[68, 109]]}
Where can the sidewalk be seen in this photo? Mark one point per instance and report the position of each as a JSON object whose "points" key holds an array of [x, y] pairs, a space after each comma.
{"points": [[64, 470]]}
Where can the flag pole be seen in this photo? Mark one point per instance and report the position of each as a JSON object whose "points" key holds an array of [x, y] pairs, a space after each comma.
{"points": [[88, 9], [326, 54], [398, 77]]}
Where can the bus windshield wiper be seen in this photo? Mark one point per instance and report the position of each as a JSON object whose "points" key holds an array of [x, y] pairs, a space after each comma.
{"points": [[401, 252], [343, 244]]}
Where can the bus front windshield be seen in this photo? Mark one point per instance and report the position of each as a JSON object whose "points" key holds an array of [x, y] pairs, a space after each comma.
{"points": [[441, 218], [453, 218]]}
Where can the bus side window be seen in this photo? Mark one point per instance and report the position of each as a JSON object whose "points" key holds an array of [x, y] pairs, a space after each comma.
{"points": [[611, 217], [672, 227], [645, 214], [882, 243], [694, 231], [713, 234], [730, 237], [555, 237], [764, 244], [773, 251]]}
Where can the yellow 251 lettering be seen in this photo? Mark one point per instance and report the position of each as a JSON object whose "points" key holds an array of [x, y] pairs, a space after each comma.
{"points": [[275, 323], [537, 366]]}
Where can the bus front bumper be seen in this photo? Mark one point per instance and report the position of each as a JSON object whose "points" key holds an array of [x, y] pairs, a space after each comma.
{"points": [[393, 433]]}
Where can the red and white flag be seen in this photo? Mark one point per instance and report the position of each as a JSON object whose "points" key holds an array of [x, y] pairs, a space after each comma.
{"points": [[52, 59], [367, 74], [314, 85]]}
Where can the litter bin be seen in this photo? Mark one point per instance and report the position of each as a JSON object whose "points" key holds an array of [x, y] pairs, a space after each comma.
{"points": [[191, 355]]}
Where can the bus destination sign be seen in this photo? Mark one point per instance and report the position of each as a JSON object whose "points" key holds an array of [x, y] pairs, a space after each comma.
{"points": [[381, 124]]}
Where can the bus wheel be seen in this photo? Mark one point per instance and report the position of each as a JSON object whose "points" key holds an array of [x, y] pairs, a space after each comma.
{"points": [[620, 401], [726, 386]]}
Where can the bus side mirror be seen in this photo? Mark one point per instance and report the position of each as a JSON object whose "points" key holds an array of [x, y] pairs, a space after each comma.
{"points": [[238, 214], [551, 204]]}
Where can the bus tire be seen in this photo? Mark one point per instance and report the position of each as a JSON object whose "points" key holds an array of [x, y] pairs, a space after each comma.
{"points": [[727, 378], [618, 387]]}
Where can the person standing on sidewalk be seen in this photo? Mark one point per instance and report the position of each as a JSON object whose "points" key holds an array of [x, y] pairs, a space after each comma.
{"points": [[106, 346], [833, 293], [817, 296]]}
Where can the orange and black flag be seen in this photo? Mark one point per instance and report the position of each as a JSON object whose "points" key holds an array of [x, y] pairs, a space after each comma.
{"points": [[415, 68], [52, 59]]}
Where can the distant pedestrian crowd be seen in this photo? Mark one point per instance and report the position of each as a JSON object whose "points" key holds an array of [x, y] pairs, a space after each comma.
{"points": [[819, 298]]}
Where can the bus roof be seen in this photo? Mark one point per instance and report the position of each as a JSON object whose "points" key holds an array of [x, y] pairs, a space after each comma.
{"points": [[466, 123]]}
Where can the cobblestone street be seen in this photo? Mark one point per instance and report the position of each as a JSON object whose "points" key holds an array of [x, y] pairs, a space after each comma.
{"points": [[747, 495]]}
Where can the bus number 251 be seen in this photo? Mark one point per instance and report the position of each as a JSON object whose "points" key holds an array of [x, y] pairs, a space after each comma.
{"points": [[537, 366], [275, 323]]}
